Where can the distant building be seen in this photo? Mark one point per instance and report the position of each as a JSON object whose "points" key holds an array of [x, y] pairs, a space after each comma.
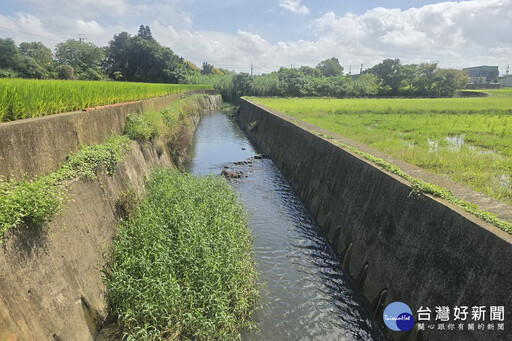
{"points": [[482, 74], [505, 81]]}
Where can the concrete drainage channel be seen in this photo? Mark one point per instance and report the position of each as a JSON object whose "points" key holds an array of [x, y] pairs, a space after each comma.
{"points": [[396, 246], [305, 293], [328, 224]]}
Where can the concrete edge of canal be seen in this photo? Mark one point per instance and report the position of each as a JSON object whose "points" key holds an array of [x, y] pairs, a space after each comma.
{"points": [[51, 277], [396, 245]]}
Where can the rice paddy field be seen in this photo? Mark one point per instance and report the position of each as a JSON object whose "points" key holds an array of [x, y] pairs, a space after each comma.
{"points": [[28, 98], [468, 140]]}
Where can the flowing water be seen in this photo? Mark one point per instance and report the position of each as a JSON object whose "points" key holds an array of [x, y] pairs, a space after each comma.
{"points": [[305, 293]]}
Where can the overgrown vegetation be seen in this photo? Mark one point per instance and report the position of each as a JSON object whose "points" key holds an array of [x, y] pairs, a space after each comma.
{"points": [[182, 266], [422, 186], [32, 202], [468, 140], [172, 124], [29, 203], [20, 98]]}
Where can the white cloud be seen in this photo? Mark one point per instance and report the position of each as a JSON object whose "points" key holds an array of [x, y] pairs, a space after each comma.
{"points": [[294, 6], [26, 27], [89, 27], [457, 34], [453, 33]]}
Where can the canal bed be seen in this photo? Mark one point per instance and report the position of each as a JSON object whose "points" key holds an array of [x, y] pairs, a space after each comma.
{"points": [[305, 294]]}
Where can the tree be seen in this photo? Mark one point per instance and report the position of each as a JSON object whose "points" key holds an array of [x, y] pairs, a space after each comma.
{"points": [[207, 69], [117, 56], [291, 81], [330, 67], [145, 33], [65, 72], [390, 72], [40, 53], [85, 58], [409, 75], [9, 54], [142, 59], [365, 85], [425, 79], [309, 71], [242, 84]]}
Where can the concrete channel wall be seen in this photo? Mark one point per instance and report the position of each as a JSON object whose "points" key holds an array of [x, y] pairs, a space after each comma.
{"points": [[51, 285], [40, 145], [397, 245]]}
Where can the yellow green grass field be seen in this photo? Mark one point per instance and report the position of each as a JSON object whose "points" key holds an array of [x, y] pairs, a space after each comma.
{"points": [[27, 98], [468, 140]]}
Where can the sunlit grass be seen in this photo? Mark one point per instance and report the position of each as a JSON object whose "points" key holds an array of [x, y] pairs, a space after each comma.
{"points": [[26, 98], [468, 140], [182, 266]]}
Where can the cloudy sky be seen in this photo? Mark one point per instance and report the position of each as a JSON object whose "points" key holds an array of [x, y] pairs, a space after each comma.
{"points": [[268, 33]]}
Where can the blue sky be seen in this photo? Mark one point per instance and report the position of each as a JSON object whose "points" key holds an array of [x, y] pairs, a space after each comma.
{"points": [[269, 33]]}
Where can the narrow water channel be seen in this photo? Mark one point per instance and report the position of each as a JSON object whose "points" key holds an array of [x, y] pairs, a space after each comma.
{"points": [[306, 295]]}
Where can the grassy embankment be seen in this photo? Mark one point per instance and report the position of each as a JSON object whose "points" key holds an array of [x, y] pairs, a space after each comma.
{"points": [[468, 140], [29, 203], [24, 98], [182, 266]]}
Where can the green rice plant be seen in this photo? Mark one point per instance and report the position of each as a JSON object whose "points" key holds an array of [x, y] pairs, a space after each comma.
{"points": [[182, 266], [468, 140], [26, 98]]}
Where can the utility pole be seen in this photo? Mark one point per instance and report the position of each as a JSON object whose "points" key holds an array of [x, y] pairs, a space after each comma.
{"points": [[81, 37], [252, 68], [361, 71], [508, 69]]}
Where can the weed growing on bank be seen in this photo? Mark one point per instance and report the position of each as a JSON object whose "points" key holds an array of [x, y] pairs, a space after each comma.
{"points": [[182, 266], [30, 203], [172, 125], [422, 186]]}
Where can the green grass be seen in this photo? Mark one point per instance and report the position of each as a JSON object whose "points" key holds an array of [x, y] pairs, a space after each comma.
{"points": [[468, 140], [421, 186], [29, 203], [182, 266], [502, 92], [24, 98], [173, 125], [33, 202]]}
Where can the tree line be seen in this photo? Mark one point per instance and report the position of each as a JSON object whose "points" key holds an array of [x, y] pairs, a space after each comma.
{"points": [[140, 58], [388, 78]]}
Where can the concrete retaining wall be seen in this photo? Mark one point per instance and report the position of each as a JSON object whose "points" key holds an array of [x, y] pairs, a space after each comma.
{"points": [[397, 246], [40, 145], [51, 285]]}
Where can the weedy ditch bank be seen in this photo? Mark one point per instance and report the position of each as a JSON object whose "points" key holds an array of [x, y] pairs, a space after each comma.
{"points": [[30, 203], [182, 266], [33, 202]]}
